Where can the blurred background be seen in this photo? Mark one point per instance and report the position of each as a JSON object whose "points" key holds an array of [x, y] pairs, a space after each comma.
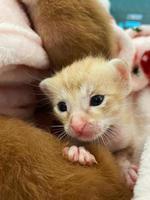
{"points": [[131, 13]]}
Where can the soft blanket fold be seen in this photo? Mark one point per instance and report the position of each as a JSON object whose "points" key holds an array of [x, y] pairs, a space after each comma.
{"points": [[22, 60], [142, 188]]}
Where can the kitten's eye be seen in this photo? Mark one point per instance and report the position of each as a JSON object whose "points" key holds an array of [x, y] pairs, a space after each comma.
{"points": [[62, 106], [96, 100]]}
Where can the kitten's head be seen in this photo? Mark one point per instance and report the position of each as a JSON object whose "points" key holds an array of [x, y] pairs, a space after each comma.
{"points": [[87, 96]]}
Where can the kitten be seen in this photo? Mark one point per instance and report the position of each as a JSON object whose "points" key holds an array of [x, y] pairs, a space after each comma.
{"points": [[71, 29], [32, 168], [91, 99]]}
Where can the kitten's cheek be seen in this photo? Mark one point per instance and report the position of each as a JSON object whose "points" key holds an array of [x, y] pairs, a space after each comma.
{"points": [[71, 132]]}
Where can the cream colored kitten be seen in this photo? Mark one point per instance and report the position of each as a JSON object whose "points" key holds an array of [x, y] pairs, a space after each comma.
{"points": [[90, 98]]}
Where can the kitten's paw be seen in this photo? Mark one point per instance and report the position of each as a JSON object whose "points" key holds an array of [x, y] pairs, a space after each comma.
{"points": [[131, 175], [79, 154]]}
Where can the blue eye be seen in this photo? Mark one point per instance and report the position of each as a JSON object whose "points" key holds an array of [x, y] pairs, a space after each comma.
{"points": [[62, 106], [96, 100]]}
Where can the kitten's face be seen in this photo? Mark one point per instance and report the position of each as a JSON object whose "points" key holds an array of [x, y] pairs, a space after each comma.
{"points": [[87, 96]]}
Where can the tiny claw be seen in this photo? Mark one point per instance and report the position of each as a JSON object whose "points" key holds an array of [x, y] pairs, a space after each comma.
{"points": [[79, 154]]}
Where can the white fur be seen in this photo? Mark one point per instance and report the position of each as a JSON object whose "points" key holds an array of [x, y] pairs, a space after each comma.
{"points": [[142, 188]]}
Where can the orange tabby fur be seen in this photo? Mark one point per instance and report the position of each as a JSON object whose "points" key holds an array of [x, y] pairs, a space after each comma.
{"points": [[71, 29], [32, 168]]}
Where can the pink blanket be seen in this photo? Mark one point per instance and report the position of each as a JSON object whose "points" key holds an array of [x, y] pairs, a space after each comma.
{"points": [[22, 61]]}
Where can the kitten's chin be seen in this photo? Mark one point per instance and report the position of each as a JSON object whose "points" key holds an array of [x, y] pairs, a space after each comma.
{"points": [[85, 138], [101, 137]]}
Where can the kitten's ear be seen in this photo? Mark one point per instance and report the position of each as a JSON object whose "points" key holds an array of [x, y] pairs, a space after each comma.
{"points": [[121, 67], [45, 86], [123, 73]]}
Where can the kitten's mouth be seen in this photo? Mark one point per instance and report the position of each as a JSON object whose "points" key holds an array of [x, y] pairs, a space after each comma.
{"points": [[102, 136], [88, 137]]}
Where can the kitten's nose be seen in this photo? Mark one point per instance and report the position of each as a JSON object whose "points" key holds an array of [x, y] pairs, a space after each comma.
{"points": [[78, 124]]}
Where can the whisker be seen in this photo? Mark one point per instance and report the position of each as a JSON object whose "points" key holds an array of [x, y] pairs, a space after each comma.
{"points": [[108, 136], [102, 139], [105, 138], [53, 126], [99, 140], [58, 129], [111, 132], [62, 135]]}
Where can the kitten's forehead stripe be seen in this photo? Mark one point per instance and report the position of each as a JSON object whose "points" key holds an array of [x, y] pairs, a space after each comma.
{"points": [[90, 74]]}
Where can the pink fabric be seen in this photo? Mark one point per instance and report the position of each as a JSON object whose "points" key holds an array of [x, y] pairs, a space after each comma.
{"points": [[22, 60]]}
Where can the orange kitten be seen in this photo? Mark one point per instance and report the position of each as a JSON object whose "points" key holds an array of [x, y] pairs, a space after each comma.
{"points": [[90, 98], [65, 26]]}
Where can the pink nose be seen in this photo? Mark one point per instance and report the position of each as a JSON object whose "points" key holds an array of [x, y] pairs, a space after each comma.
{"points": [[79, 125]]}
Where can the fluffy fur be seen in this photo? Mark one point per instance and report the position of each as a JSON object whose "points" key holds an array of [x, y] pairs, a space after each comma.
{"points": [[32, 168], [119, 122], [77, 83], [141, 191], [71, 30]]}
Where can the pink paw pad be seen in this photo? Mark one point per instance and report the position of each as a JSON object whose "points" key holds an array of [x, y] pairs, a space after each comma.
{"points": [[131, 175], [79, 154]]}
